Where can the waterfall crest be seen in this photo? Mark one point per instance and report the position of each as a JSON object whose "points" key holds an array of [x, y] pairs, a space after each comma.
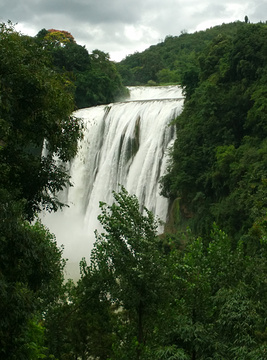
{"points": [[125, 143]]}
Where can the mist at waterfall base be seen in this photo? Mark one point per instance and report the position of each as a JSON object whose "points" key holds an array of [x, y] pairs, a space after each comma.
{"points": [[125, 143]]}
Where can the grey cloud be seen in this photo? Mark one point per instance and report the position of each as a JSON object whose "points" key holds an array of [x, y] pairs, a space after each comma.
{"points": [[105, 24], [100, 11]]}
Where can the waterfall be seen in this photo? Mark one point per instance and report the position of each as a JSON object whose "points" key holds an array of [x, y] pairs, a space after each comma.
{"points": [[124, 143]]}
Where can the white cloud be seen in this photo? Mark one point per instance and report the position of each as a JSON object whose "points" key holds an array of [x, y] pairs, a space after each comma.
{"points": [[122, 27]]}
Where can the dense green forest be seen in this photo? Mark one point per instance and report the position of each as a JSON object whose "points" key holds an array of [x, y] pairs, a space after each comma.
{"points": [[196, 292], [218, 163], [96, 79]]}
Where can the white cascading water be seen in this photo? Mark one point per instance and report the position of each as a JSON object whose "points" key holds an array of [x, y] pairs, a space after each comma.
{"points": [[124, 143]]}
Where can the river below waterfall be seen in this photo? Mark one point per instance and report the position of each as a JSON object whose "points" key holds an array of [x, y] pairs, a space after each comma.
{"points": [[125, 143]]}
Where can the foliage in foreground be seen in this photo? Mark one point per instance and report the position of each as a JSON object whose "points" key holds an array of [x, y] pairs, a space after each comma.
{"points": [[143, 297], [30, 280]]}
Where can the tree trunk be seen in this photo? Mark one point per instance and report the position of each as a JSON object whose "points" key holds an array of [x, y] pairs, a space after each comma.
{"points": [[140, 336]]}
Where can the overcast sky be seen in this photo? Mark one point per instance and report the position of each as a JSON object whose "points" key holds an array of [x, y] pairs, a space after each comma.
{"points": [[122, 27]]}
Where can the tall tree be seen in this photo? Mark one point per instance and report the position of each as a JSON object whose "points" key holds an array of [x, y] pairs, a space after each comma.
{"points": [[128, 258], [36, 105]]}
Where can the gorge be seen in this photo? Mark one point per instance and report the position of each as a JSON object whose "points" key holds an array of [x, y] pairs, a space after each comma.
{"points": [[125, 143]]}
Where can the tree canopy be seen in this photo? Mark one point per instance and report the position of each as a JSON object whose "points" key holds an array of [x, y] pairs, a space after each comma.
{"points": [[36, 105], [95, 77], [217, 168]]}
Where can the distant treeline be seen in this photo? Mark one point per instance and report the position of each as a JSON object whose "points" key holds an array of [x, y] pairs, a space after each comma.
{"points": [[168, 61]]}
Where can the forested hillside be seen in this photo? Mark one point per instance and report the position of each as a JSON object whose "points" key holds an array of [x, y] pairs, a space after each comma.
{"points": [[218, 164], [169, 61]]}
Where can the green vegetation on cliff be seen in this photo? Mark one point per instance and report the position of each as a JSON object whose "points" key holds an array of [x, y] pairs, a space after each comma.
{"points": [[218, 166]]}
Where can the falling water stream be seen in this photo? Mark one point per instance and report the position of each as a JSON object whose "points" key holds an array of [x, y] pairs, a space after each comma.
{"points": [[125, 143]]}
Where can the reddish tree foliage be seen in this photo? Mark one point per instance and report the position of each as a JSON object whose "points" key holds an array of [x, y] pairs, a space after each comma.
{"points": [[62, 34]]}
